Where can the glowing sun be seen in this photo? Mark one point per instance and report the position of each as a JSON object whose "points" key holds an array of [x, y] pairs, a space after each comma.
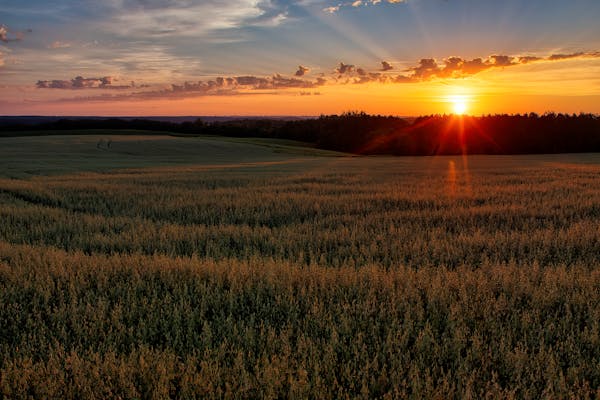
{"points": [[459, 104], [460, 107]]}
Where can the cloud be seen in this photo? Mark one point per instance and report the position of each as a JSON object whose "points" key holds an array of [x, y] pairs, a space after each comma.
{"points": [[502, 61], [558, 57], [426, 69], [386, 66], [80, 82], [529, 59], [344, 68], [178, 18], [301, 71], [221, 86], [359, 3], [457, 67], [7, 35], [332, 9], [59, 45], [3, 33]]}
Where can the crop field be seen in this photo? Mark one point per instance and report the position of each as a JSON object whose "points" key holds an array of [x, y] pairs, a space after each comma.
{"points": [[137, 266]]}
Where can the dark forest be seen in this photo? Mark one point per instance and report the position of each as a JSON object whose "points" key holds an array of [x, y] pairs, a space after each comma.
{"points": [[360, 133]]}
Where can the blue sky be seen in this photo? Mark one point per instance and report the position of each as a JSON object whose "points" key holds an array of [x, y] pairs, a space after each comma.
{"points": [[149, 45]]}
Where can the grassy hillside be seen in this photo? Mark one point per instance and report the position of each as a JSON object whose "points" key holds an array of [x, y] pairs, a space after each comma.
{"points": [[100, 150], [236, 269]]}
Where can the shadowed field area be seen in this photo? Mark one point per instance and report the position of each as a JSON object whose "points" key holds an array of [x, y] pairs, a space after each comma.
{"points": [[154, 266], [102, 150]]}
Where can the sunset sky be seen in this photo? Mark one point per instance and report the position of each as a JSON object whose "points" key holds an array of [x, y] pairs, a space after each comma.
{"points": [[303, 57]]}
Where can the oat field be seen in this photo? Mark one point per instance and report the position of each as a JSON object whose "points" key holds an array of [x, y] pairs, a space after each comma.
{"points": [[160, 267]]}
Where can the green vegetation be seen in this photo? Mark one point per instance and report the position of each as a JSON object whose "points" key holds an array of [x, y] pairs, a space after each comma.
{"points": [[104, 150], [232, 269]]}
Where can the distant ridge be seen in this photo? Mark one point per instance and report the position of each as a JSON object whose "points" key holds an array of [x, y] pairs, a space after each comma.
{"points": [[40, 119]]}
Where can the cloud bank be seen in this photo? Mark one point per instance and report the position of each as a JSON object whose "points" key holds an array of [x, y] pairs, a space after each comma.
{"points": [[80, 82], [457, 67], [426, 69]]}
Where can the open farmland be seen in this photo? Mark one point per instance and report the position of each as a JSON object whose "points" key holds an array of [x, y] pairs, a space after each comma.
{"points": [[152, 266]]}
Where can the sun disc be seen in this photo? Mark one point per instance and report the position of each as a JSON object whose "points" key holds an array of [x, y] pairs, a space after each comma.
{"points": [[460, 107]]}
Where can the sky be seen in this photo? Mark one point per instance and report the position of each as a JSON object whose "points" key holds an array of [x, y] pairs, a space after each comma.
{"points": [[298, 57]]}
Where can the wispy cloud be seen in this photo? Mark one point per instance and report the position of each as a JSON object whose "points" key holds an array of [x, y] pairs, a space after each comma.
{"points": [[359, 3], [7, 36], [59, 45], [164, 18]]}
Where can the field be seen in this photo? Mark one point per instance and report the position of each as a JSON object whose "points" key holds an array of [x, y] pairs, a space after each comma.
{"points": [[137, 266]]}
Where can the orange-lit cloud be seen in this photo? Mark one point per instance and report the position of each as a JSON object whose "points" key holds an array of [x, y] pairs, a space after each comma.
{"points": [[427, 69], [457, 67]]}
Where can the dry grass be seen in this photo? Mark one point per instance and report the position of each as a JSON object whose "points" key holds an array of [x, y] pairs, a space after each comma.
{"points": [[322, 278]]}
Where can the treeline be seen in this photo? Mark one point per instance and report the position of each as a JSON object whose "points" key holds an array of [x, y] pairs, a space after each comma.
{"points": [[360, 133]]}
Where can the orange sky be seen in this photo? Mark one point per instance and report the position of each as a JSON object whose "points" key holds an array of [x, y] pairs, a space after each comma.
{"points": [[527, 88], [298, 57]]}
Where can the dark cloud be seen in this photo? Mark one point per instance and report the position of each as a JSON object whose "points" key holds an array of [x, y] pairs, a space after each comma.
{"points": [[426, 69], [221, 86], [301, 70], [528, 59], [80, 82], [558, 57], [254, 81], [502, 61], [386, 66], [344, 68]]}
